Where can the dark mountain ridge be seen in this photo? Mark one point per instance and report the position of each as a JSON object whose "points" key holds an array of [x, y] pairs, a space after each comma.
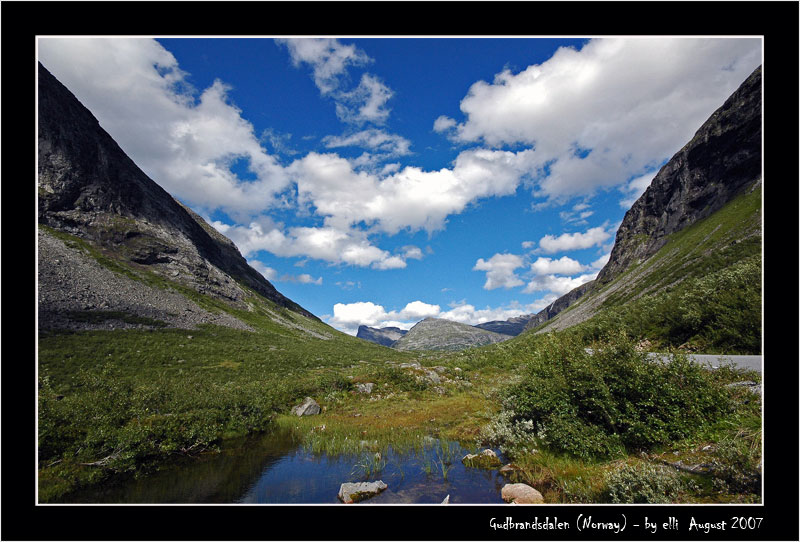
{"points": [[716, 165], [385, 336], [89, 188]]}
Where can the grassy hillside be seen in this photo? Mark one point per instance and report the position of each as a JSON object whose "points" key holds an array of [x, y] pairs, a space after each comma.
{"points": [[701, 290]]}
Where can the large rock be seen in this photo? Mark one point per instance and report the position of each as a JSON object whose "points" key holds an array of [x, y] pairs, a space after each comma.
{"points": [[350, 492], [521, 494], [308, 407]]}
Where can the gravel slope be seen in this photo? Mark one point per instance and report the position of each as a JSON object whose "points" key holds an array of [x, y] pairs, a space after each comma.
{"points": [[70, 280]]}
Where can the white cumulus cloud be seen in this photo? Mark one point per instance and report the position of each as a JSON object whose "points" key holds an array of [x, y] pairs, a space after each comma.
{"points": [[500, 271], [573, 241], [328, 58], [557, 284], [562, 266], [608, 112]]}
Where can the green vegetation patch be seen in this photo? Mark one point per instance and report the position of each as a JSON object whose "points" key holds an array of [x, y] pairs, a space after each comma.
{"points": [[646, 483], [613, 400], [728, 236]]}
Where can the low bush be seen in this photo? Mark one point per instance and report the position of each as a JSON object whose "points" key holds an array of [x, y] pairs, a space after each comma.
{"points": [[614, 399], [644, 483], [737, 464], [400, 380]]}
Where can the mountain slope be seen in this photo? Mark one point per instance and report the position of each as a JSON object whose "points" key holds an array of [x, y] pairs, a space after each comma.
{"points": [[95, 206], [679, 227], [512, 326], [385, 336], [440, 334]]}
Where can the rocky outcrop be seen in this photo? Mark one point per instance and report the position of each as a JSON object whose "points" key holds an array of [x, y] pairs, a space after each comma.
{"points": [[89, 188], [440, 334], [76, 292], [385, 336]]}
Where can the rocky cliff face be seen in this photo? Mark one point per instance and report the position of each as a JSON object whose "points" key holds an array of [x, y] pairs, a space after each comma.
{"points": [[89, 188], [385, 336], [722, 161], [440, 334]]}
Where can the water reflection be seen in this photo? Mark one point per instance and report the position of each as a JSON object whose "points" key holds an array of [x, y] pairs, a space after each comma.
{"points": [[274, 470]]}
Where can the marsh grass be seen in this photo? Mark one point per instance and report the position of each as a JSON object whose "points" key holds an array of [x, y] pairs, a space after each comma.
{"points": [[444, 455], [369, 465]]}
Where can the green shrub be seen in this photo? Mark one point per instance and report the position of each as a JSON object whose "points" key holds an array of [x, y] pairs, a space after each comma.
{"points": [[600, 404], [400, 380], [645, 483], [737, 465], [332, 381]]}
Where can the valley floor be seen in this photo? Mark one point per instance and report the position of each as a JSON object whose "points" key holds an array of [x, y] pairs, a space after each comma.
{"points": [[128, 402]]}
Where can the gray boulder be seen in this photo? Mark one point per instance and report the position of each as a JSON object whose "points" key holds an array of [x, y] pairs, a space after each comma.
{"points": [[365, 388], [308, 407]]}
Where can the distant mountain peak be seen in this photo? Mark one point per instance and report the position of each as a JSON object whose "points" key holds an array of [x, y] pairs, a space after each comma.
{"points": [[441, 334]]}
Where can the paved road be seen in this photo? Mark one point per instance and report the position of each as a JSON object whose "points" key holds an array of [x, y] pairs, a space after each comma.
{"points": [[753, 363]]}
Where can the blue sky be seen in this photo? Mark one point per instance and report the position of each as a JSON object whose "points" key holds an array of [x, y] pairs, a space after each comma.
{"points": [[379, 181]]}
